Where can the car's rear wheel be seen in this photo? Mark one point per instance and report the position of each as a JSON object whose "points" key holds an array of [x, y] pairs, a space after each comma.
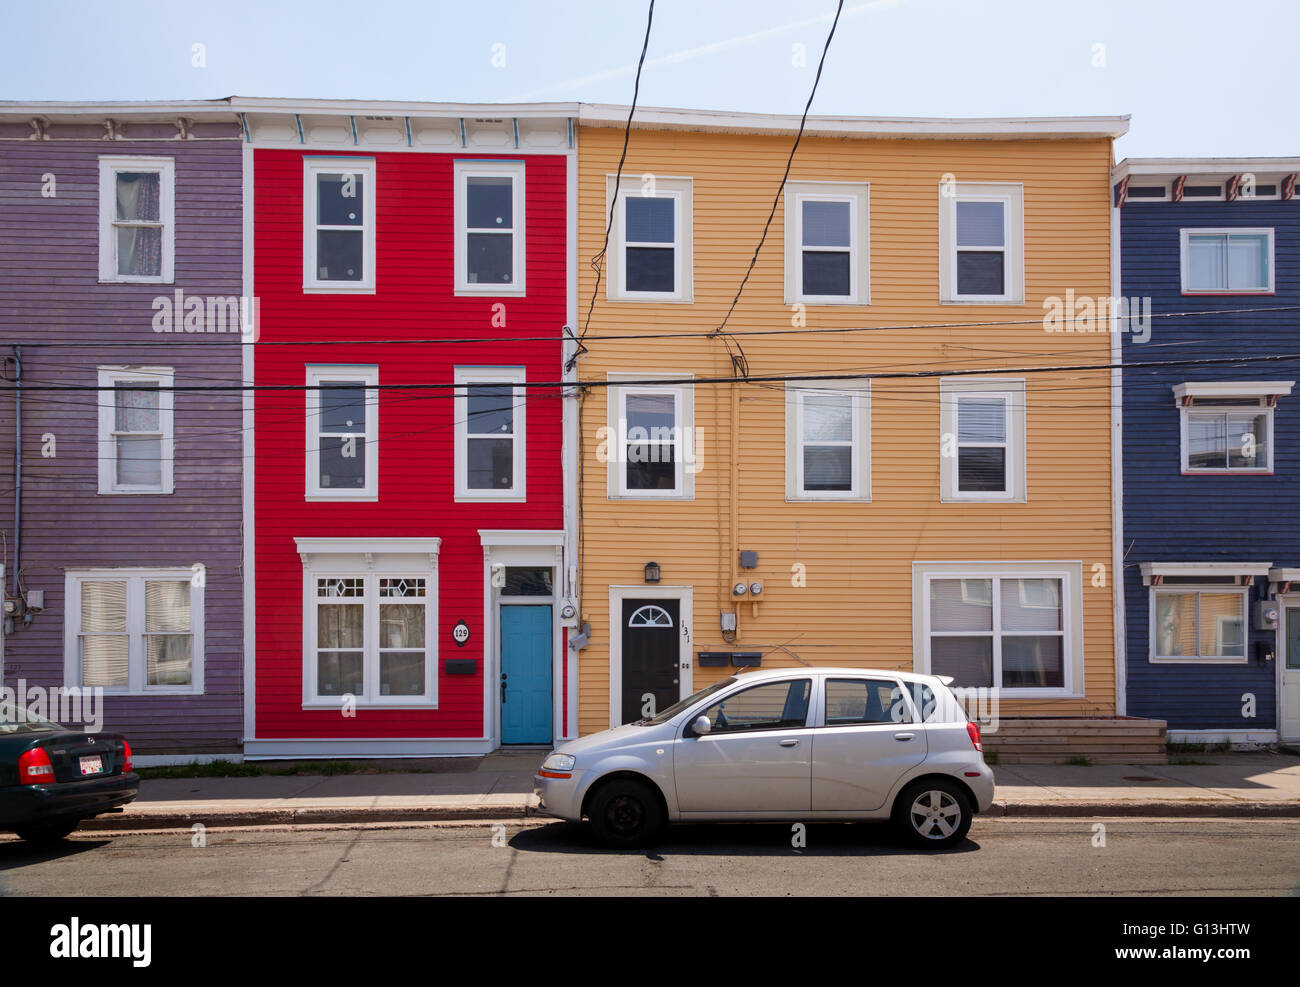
{"points": [[47, 832], [625, 813], [933, 813]]}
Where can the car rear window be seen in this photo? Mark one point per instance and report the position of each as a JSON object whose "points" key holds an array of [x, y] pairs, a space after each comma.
{"points": [[16, 719]]}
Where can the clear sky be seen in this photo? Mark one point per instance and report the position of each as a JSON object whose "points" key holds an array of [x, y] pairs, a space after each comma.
{"points": [[1199, 77]]}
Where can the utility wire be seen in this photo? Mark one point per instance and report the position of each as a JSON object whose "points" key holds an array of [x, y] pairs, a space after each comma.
{"points": [[738, 358], [597, 262]]}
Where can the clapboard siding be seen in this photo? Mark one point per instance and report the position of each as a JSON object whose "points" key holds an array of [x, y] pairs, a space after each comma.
{"points": [[1169, 517], [856, 608], [414, 299], [49, 293]]}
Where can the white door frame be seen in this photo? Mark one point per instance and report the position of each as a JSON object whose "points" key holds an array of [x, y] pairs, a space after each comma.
{"points": [[1279, 660], [520, 548], [617, 594]]}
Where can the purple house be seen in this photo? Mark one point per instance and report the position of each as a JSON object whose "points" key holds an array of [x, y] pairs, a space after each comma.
{"points": [[121, 276]]}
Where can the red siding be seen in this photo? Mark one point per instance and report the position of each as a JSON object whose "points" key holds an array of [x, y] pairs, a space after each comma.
{"points": [[413, 300]]}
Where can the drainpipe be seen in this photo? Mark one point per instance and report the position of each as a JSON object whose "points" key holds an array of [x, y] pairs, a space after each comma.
{"points": [[18, 465]]}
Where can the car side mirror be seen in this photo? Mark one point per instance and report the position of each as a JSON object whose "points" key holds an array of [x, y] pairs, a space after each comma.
{"points": [[701, 726]]}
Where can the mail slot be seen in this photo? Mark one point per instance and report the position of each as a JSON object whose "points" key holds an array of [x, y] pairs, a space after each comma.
{"points": [[460, 666]]}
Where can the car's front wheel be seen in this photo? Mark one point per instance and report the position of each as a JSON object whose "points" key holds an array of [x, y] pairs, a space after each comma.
{"points": [[933, 813], [41, 834], [625, 813]]}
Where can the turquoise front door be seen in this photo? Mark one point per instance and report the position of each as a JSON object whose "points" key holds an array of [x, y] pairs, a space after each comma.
{"points": [[526, 674]]}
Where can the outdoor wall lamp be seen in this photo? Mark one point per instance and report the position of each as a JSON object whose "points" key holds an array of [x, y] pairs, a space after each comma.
{"points": [[652, 572]]}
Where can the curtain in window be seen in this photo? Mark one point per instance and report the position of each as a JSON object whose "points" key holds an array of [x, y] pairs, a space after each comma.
{"points": [[139, 248]]}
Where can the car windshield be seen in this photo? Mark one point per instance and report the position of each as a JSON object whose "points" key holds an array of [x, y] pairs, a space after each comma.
{"points": [[676, 708], [16, 719]]}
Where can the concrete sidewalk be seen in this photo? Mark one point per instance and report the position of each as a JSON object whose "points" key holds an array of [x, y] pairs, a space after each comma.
{"points": [[499, 787]]}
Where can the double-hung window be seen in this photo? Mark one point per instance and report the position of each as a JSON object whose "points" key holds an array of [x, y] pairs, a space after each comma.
{"points": [[370, 609], [1227, 426], [489, 409], [136, 430], [137, 631], [1198, 624], [982, 447], [338, 215], [649, 441], [827, 441], [137, 219], [1010, 626], [489, 211], [342, 433], [650, 251], [826, 243], [981, 242], [1227, 261]]}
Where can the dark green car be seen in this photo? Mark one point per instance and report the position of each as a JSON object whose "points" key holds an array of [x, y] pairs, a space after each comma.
{"points": [[52, 777]]}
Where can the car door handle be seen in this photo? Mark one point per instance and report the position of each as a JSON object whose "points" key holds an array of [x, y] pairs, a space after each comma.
{"points": [[904, 736], [790, 743]]}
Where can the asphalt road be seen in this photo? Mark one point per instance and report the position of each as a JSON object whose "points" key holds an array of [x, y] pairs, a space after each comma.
{"points": [[1003, 857]]}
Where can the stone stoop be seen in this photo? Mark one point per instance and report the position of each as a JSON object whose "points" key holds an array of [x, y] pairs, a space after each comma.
{"points": [[1058, 739]]}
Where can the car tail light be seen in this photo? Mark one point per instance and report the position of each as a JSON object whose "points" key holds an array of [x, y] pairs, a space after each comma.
{"points": [[34, 767], [127, 763], [973, 729]]}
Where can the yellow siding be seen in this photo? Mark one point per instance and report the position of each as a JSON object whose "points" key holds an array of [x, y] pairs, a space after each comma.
{"points": [[857, 606]]}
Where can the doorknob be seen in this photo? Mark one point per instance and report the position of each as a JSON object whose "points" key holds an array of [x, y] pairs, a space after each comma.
{"points": [[790, 743], [904, 736]]}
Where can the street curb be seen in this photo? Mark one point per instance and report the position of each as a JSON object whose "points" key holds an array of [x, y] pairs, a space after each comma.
{"points": [[164, 819], [1216, 808]]}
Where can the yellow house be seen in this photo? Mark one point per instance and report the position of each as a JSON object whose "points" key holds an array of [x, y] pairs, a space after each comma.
{"points": [[897, 480]]}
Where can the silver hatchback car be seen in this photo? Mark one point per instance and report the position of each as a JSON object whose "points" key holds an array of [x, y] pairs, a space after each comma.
{"points": [[811, 744]]}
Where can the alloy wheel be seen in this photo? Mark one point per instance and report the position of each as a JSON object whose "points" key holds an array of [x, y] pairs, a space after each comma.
{"points": [[935, 814]]}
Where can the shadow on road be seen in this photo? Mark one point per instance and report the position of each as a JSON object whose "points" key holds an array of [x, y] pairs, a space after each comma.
{"points": [[751, 839], [18, 853]]}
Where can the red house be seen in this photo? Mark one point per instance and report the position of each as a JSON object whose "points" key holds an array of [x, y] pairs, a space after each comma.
{"points": [[405, 515]]}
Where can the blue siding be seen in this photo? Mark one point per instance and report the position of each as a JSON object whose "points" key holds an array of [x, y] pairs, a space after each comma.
{"points": [[1169, 517]]}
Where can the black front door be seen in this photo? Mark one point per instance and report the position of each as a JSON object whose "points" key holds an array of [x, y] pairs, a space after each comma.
{"points": [[651, 657]]}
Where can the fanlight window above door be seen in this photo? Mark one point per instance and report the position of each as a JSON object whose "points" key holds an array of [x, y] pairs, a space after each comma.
{"points": [[650, 616]]}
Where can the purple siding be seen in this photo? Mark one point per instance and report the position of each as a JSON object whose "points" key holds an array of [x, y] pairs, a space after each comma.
{"points": [[49, 293]]}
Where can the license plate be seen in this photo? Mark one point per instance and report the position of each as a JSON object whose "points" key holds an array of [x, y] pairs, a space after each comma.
{"points": [[92, 765]]}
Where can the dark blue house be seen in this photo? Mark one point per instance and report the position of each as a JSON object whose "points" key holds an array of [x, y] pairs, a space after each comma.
{"points": [[1211, 445]]}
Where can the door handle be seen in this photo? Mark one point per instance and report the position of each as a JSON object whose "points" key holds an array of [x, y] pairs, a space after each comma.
{"points": [[503, 687], [790, 743], [904, 736]]}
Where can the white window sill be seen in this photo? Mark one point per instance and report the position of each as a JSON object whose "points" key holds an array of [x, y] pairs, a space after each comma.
{"points": [[186, 691], [321, 289], [137, 280], [356, 498], [836, 300], [651, 497], [491, 290], [485, 498], [813, 499], [982, 301], [152, 491], [651, 296], [1213, 660], [335, 704]]}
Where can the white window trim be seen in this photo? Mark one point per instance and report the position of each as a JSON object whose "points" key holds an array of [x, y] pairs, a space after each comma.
{"points": [[313, 166], [680, 190], [479, 168], [135, 579], [1013, 391], [1012, 195], [1071, 575], [491, 375], [325, 374], [111, 376], [109, 165], [858, 195], [1184, 246], [1209, 408], [615, 444], [1198, 588], [861, 460], [370, 559]]}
